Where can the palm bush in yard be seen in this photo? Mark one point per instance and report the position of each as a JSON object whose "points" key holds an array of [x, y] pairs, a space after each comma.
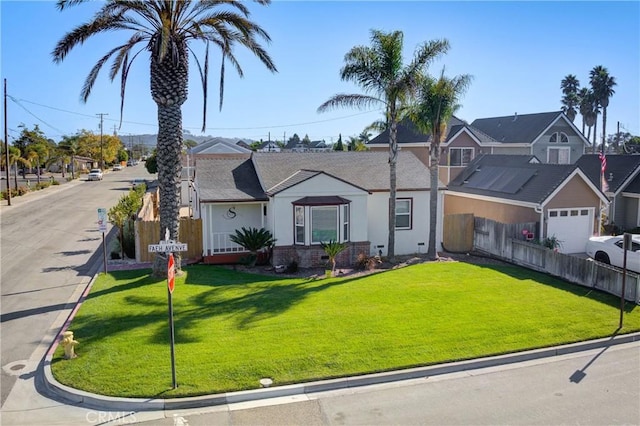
{"points": [[333, 249], [253, 240]]}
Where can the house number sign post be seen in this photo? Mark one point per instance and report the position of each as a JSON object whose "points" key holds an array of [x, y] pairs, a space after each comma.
{"points": [[168, 246]]}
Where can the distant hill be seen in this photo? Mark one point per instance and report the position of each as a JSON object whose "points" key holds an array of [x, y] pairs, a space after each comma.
{"points": [[150, 140]]}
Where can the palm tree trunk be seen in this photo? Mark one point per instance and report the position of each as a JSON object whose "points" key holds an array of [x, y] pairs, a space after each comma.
{"points": [[393, 157], [432, 252], [595, 138], [169, 146]]}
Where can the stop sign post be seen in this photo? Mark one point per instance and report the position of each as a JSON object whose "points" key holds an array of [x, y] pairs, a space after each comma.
{"points": [[171, 278], [169, 246], [171, 273]]}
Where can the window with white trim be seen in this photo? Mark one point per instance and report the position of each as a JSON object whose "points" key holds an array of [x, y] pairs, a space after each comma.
{"points": [[315, 223], [460, 156], [299, 224], [559, 137], [558, 155], [403, 213]]}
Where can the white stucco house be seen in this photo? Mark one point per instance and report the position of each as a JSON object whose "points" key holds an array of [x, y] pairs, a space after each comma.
{"points": [[308, 198]]}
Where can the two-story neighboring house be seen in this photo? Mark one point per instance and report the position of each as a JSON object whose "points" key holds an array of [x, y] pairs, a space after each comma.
{"points": [[550, 136]]}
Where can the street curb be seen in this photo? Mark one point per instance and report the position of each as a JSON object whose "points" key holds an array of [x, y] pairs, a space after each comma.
{"points": [[107, 403]]}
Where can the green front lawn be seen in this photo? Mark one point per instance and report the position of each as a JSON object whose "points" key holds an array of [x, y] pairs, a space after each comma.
{"points": [[232, 328]]}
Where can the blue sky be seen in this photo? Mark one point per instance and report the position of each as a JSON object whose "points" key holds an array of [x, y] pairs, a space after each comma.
{"points": [[517, 53]]}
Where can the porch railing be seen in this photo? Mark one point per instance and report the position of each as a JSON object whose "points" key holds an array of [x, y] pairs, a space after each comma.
{"points": [[221, 243]]}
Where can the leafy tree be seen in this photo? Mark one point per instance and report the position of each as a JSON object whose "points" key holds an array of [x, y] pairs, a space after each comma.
{"points": [[166, 30], [295, 139], [70, 145], [437, 101], [123, 216], [602, 85], [152, 163], [339, 146], [27, 139], [255, 145], [379, 70], [123, 155], [570, 86], [306, 140]]}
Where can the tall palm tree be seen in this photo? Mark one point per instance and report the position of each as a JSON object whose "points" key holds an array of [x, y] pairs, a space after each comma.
{"points": [[570, 86], [165, 30], [584, 105], [436, 102], [379, 70], [602, 85]]}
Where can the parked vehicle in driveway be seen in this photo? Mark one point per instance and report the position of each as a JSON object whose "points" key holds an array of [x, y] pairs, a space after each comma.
{"points": [[95, 174], [609, 250], [117, 167]]}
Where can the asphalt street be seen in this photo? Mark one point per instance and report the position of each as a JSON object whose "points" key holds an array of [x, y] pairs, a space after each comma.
{"points": [[49, 243]]}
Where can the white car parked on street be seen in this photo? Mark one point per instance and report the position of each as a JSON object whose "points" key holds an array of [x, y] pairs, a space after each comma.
{"points": [[95, 174], [609, 250]]}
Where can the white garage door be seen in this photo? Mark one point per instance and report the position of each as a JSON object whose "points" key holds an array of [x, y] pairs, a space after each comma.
{"points": [[572, 227]]}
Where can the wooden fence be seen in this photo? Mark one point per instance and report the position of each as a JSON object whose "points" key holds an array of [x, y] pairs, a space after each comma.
{"points": [[148, 232], [506, 241], [458, 232]]}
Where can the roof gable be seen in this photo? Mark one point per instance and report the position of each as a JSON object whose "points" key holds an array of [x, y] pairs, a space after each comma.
{"points": [[407, 132], [525, 128], [619, 172], [228, 179], [218, 146]]}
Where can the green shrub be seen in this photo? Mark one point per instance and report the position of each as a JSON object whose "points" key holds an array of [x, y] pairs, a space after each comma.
{"points": [[55, 182], [253, 239], [364, 262], [42, 185]]}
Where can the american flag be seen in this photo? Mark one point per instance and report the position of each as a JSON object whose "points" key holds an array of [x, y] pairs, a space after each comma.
{"points": [[603, 162], [604, 186]]}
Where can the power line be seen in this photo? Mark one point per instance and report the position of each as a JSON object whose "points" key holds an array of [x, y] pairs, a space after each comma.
{"points": [[197, 128]]}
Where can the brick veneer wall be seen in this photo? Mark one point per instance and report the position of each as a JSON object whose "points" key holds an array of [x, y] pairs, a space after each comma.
{"points": [[312, 256]]}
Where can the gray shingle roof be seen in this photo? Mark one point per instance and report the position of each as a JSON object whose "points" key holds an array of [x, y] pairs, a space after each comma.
{"points": [[409, 133], [619, 169], [228, 179], [517, 177], [520, 128], [368, 170]]}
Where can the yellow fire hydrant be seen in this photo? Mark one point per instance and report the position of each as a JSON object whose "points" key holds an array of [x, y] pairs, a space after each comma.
{"points": [[68, 343]]}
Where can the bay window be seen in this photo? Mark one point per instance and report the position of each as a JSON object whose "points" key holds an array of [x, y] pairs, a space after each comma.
{"points": [[321, 219]]}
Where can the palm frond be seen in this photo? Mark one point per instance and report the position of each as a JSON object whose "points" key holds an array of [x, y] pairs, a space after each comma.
{"points": [[350, 101]]}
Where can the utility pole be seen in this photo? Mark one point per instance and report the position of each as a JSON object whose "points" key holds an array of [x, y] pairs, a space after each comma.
{"points": [[6, 143], [101, 114]]}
